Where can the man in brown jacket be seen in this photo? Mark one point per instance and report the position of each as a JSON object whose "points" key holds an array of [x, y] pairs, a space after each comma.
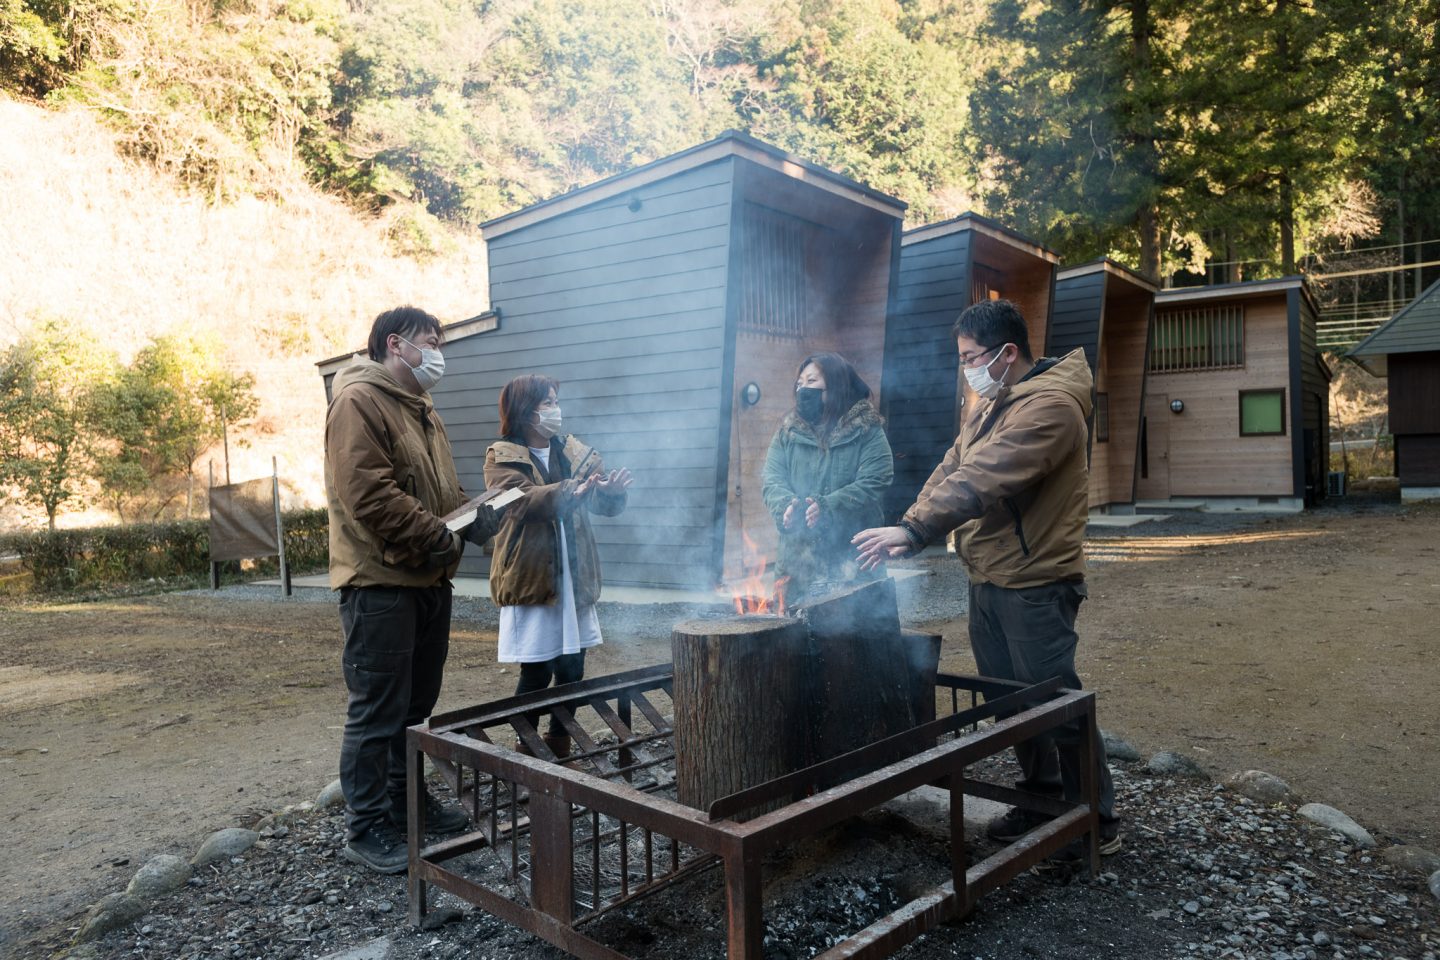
{"points": [[390, 477], [1015, 486]]}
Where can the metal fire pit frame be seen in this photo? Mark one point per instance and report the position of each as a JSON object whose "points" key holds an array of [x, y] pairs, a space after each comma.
{"points": [[493, 782]]}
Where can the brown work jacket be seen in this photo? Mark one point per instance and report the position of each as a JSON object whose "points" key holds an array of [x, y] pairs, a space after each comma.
{"points": [[1016, 482], [525, 568], [389, 477]]}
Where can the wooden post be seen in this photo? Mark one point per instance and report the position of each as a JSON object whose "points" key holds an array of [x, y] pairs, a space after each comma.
{"points": [[279, 527], [741, 704], [209, 501]]}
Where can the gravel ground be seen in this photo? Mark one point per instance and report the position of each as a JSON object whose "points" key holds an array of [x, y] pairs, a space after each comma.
{"points": [[1205, 873]]}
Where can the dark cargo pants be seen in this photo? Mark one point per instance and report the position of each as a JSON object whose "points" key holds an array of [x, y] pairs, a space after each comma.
{"points": [[396, 641], [1029, 635]]}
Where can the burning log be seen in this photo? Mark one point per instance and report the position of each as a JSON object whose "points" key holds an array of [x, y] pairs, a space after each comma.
{"points": [[757, 697], [741, 702]]}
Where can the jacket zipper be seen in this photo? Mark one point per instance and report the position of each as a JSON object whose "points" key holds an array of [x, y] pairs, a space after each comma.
{"points": [[1019, 528]]}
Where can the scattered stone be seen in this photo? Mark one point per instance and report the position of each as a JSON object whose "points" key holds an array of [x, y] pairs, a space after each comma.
{"points": [[331, 796], [161, 874], [223, 844], [1261, 786], [110, 913], [1321, 939], [1170, 764], [1116, 748], [1192, 907], [1416, 861], [1333, 819], [1435, 884], [440, 916]]}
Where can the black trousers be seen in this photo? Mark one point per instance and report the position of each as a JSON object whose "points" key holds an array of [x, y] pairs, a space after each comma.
{"points": [[1029, 635], [566, 668], [396, 641]]}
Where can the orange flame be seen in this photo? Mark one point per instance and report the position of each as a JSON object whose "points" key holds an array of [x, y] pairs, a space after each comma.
{"points": [[753, 593]]}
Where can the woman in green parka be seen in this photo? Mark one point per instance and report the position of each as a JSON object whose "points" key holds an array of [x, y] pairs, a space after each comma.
{"points": [[826, 474]]}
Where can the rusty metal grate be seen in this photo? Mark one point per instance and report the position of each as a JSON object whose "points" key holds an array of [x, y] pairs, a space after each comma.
{"points": [[558, 842]]}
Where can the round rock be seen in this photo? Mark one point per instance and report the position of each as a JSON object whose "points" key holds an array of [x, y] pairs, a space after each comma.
{"points": [[1435, 884], [1333, 819], [110, 913], [1116, 748], [161, 874], [1261, 786], [224, 844], [1170, 764], [330, 797], [1415, 861]]}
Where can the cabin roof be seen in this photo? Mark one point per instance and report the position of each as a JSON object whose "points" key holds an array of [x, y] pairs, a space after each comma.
{"points": [[1415, 329], [1230, 291], [982, 225], [1113, 268], [731, 143]]}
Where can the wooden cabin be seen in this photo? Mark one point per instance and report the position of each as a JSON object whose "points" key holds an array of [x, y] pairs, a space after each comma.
{"points": [[944, 268], [1406, 351], [1237, 398], [673, 303], [1106, 309]]}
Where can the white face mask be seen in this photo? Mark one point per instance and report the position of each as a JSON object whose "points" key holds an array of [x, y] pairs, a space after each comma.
{"points": [[431, 369], [980, 380], [547, 421]]}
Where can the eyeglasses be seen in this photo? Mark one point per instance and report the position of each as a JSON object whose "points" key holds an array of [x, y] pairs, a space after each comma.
{"points": [[968, 360]]}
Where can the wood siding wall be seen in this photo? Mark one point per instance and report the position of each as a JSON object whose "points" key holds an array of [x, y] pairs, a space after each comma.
{"points": [[626, 308], [1124, 337], [1207, 457], [1312, 456], [1076, 320], [1415, 417], [920, 362]]}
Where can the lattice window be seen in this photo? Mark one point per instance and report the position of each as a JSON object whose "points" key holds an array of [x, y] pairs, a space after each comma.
{"points": [[773, 277], [1102, 418], [1200, 338]]}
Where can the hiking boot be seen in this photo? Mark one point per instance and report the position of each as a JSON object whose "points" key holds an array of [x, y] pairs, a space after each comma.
{"points": [[440, 817], [1074, 854], [559, 744], [1014, 824], [380, 848]]}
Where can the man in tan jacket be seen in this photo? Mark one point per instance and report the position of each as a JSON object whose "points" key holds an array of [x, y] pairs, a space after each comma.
{"points": [[390, 477], [1015, 487]]}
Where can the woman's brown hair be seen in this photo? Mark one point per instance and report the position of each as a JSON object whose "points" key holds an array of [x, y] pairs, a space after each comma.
{"points": [[843, 386], [519, 399]]}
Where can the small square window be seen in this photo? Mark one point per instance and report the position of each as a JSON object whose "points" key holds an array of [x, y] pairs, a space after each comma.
{"points": [[1102, 418], [1262, 413]]}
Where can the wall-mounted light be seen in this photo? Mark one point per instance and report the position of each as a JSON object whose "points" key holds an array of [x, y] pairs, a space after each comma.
{"points": [[1177, 406], [634, 204], [750, 394]]}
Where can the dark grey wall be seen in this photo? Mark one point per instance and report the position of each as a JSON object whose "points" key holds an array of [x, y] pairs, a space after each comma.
{"points": [[626, 308], [1075, 321], [920, 363]]}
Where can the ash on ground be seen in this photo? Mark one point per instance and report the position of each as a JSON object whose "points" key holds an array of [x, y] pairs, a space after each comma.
{"points": [[1204, 873]]}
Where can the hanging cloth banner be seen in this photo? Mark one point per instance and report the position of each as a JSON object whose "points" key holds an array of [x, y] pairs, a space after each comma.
{"points": [[242, 520]]}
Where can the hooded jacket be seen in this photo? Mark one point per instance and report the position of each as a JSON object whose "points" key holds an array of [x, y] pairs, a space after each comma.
{"points": [[847, 474], [525, 568], [389, 477], [1017, 479]]}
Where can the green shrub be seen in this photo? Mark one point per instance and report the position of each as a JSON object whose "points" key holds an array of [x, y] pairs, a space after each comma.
{"points": [[66, 560]]}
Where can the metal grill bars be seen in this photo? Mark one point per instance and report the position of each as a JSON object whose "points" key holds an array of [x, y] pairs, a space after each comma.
{"points": [[557, 842]]}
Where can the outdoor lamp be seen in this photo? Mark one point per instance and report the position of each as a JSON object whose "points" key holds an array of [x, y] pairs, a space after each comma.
{"points": [[1177, 406], [750, 394]]}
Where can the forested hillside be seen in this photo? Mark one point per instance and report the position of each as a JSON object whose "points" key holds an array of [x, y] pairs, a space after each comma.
{"points": [[280, 170]]}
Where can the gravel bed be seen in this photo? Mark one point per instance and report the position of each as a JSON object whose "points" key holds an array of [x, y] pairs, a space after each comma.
{"points": [[1205, 873]]}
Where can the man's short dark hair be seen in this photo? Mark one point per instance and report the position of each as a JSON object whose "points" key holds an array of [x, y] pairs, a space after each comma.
{"points": [[993, 323], [409, 322]]}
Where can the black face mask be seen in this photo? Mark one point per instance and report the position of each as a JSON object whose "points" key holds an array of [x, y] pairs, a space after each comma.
{"points": [[809, 403]]}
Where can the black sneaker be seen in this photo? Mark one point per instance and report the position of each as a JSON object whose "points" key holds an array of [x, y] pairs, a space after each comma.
{"points": [[1013, 824], [439, 817], [380, 848]]}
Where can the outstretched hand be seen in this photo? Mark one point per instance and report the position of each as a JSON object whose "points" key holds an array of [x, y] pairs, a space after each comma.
{"points": [[878, 544], [812, 511], [616, 481], [787, 520]]}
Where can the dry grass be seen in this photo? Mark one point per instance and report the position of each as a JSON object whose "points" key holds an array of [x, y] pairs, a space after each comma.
{"points": [[119, 251]]}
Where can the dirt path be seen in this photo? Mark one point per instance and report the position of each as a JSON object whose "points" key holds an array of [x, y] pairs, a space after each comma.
{"points": [[1303, 646]]}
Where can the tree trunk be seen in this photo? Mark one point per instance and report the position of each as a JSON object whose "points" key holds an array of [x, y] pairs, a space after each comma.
{"points": [[1147, 217], [741, 704]]}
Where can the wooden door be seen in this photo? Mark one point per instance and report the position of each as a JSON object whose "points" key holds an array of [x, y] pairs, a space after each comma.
{"points": [[1154, 480]]}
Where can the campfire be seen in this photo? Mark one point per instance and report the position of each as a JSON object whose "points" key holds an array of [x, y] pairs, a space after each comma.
{"points": [[752, 591]]}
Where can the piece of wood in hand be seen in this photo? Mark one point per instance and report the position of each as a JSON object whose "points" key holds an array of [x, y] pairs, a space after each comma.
{"points": [[742, 693]]}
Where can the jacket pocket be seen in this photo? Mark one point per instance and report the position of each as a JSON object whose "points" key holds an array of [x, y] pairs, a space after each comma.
{"points": [[1019, 526]]}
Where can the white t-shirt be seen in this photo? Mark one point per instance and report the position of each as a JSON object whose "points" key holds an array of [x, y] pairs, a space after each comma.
{"points": [[531, 634]]}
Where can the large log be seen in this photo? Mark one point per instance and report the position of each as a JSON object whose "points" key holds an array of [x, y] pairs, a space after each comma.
{"points": [[741, 700], [863, 684]]}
